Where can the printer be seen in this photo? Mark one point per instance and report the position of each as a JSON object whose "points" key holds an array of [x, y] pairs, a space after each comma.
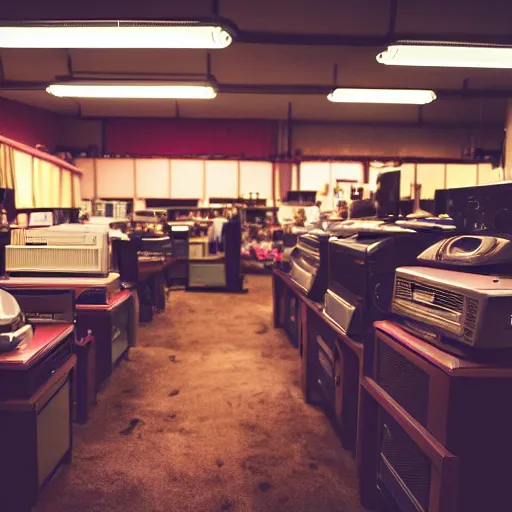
{"points": [[361, 271], [459, 294], [14, 332], [462, 292], [308, 263]]}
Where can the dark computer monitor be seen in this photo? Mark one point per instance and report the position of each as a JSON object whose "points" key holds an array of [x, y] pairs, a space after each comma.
{"points": [[301, 196], [481, 208], [126, 257], [387, 195]]}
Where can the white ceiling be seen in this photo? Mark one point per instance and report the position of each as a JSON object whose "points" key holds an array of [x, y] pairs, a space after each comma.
{"points": [[262, 64]]}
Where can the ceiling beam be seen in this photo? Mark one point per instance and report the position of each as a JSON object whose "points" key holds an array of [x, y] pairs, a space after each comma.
{"points": [[378, 41], [287, 89], [424, 125], [324, 90]]}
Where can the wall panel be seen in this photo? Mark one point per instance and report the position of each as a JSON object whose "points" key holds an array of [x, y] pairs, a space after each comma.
{"points": [[187, 179], [463, 175], [86, 165], [407, 172], [152, 178], [221, 178], [389, 142], [431, 177], [256, 177], [486, 174], [315, 176], [115, 178], [347, 171]]}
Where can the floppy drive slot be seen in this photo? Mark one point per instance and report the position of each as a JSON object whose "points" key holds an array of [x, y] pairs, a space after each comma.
{"points": [[46, 306]]}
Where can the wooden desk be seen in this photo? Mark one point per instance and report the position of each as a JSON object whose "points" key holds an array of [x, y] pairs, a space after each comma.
{"points": [[112, 324], [151, 286], [114, 327]]}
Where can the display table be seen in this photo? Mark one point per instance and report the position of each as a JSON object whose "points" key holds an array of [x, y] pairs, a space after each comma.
{"points": [[331, 363], [435, 429], [35, 414]]}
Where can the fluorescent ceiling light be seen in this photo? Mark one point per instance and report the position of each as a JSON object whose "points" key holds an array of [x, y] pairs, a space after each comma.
{"points": [[450, 55], [397, 96], [132, 90], [114, 34]]}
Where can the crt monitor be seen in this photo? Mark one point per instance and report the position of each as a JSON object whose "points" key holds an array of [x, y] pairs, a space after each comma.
{"points": [[387, 195]]}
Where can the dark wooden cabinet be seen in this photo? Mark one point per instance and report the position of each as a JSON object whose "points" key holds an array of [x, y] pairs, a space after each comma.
{"points": [[331, 363], [114, 328], [36, 427], [435, 429], [287, 306]]}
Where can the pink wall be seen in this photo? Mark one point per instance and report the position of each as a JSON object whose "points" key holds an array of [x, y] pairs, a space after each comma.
{"points": [[29, 125], [174, 137]]}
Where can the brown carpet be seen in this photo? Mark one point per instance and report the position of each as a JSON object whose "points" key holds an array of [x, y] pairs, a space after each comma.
{"points": [[207, 415]]}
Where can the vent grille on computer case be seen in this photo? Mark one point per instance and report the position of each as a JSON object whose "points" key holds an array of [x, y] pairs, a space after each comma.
{"points": [[41, 259], [405, 382], [408, 290], [18, 236], [403, 289], [404, 470]]}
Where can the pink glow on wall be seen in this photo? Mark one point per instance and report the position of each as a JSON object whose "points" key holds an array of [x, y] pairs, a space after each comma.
{"points": [[29, 125], [172, 137]]}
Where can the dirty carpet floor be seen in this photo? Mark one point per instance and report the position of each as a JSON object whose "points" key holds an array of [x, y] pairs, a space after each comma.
{"points": [[207, 415]]}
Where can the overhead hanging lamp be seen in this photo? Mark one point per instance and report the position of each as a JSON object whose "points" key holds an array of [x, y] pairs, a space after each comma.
{"points": [[446, 54], [115, 34], [128, 89], [390, 96]]}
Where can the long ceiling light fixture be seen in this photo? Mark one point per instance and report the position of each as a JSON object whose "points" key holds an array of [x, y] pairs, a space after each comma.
{"points": [[392, 96], [115, 34], [448, 55], [127, 89]]}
